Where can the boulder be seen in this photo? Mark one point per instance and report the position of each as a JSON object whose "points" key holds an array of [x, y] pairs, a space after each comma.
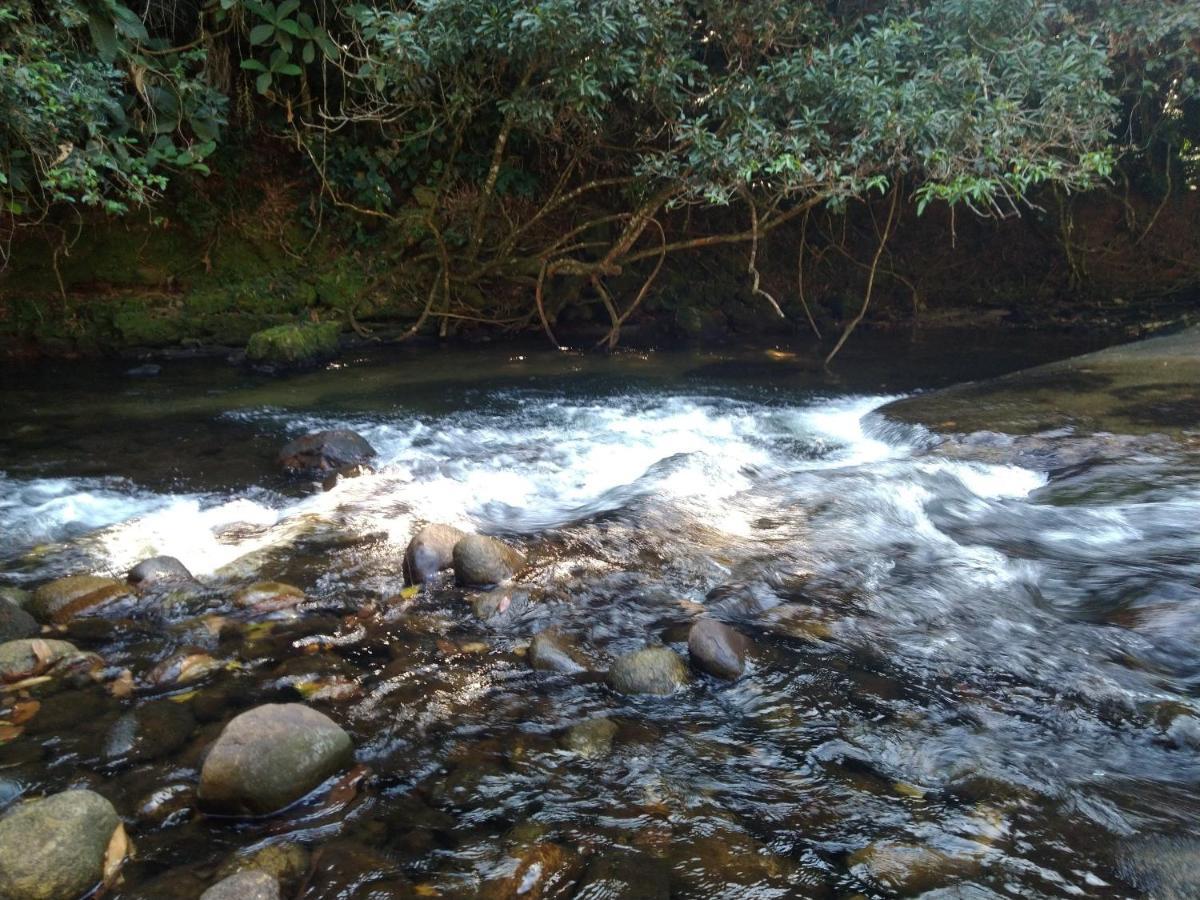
{"points": [[550, 652], [294, 344], [716, 648], [286, 863], [76, 595], [248, 885], [32, 656], [269, 757], [158, 570], [655, 670], [430, 551], [480, 560], [592, 738], [150, 731], [15, 596], [55, 848], [265, 597], [324, 452], [15, 623]]}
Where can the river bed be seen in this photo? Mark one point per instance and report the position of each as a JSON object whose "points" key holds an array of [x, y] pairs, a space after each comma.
{"points": [[973, 676]]}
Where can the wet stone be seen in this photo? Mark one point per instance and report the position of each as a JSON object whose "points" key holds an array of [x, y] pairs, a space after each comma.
{"points": [[718, 649], [534, 871], [157, 570], [76, 595], [54, 848], [591, 739], [151, 731], [287, 863], [628, 875], [655, 670], [550, 651], [166, 805], [906, 868], [15, 623], [15, 596], [430, 551], [32, 656], [480, 560], [268, 597], [269, 757], [244, 886], [325, 452]]}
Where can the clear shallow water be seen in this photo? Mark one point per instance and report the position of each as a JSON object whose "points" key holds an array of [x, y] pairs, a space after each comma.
{"points": [[992, 665]]}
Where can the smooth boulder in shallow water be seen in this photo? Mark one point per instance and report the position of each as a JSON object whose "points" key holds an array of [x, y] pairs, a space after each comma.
{"points": [[269, 757], [718, 649], [325, 452], [482, 560], [244, 886], [55, 848], [550, 652], [63, 599], [32, 656], [430, 551], [655, 670], [159, 570]]}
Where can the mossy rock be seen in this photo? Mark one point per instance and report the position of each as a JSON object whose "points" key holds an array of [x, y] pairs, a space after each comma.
{"points": [[294, 344], [142, 324]]}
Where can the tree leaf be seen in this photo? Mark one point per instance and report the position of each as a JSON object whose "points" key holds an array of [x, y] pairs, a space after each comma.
{"points": [[263, 82], [260, 34]]}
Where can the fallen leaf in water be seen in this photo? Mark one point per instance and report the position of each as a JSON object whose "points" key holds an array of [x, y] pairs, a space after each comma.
{"points": [[426, 890], [8, 731], [122, 686], [114, 856], [42, 655], [22, 711]]}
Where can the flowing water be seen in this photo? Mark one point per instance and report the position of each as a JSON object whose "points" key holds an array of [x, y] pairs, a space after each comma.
{"points": [[969, 676]]}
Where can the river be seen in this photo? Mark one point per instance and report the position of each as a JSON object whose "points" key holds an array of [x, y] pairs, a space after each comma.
{"points": [[978, 678]]}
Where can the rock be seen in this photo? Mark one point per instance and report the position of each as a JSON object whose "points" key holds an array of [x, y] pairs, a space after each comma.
{"points": [[150, 731], [626, 874], [500, 606], [324, 452], [592, 738], [718, 649], [55, 848], [430, 551], [655, 670], [906, 869], [166, 806], [286, 863], [269, 757], [244, 886], [159, 569], [333, 479], [15, 623], [292, 345], [149, 370], [183, 667], [265, 597], [32, 656], [480, 560], [534, 871], [550, 652], [15, 596], [61, 600], [346, 868]]}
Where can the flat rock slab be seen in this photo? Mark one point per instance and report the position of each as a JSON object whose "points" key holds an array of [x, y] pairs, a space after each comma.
{"points": [[1139, 388]]}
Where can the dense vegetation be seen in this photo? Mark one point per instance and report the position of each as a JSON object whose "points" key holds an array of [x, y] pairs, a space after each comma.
{"points": [[506, 161]]}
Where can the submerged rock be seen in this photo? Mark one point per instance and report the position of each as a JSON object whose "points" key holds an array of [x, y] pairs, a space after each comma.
{"points": [[264, 597], [76, 595], [430, 551], [184, 667], [56, 848], [480, 560], [15, 596], [15, 623], [324, 452], [244, 886], [1165, 868], [155, 571], [625, 874], [655, 670], [295, 344], [908, 869], [592, 738], [32, 656], [718, 649], [150, 731], [286, 863], [549, 651], [269, 757], [534, 871]]}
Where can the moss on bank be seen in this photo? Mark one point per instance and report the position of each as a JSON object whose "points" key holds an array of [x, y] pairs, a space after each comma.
{"points": [[294, 344]]}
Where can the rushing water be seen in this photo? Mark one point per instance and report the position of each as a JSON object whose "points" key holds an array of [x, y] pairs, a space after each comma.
{"points": [[988, 671]]}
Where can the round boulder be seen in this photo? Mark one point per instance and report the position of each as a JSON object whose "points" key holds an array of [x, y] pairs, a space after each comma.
{"points": [[56, 848], [325, 452], [550, 652], [717, 649], [15, 623], [430, 551], [159, 570], [76, 595], [480, 560], [32, 656], [655, 670], [248, 885], [269, 757]]}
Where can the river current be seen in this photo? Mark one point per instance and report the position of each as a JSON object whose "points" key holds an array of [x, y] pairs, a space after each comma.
{"points": [[970, 678]]}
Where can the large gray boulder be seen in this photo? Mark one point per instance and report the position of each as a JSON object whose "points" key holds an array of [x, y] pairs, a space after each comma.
{"points": [[249, 885], [269, 757], [55, 848], [430, 551], [655, 670], [481, 560], [325, 452], [64, 599], [718, 649]]}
